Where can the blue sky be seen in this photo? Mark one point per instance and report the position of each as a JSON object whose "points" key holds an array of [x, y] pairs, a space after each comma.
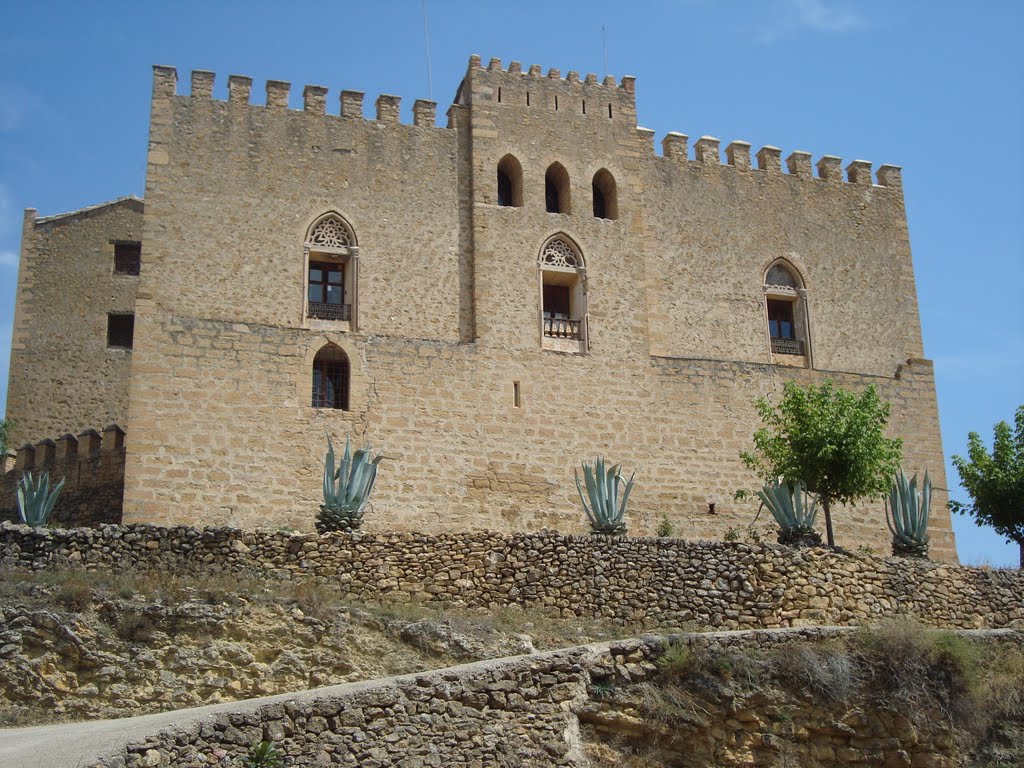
{"points": [[934, 86]]}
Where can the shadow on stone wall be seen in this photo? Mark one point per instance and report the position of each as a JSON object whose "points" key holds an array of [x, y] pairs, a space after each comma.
{"points": [[92, 467]]}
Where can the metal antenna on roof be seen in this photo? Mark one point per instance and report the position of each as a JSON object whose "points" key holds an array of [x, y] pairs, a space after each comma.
{"points": [[604, 46], [426, 40]]}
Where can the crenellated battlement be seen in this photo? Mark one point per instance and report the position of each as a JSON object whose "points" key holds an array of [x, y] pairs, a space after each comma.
{"points": [[535, 71], [798, 164], [513, 86], [91, 464], [278, 93]]}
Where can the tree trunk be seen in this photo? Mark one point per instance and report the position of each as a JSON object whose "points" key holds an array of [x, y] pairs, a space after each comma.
{"points": [[828, 524], [1020, 543]]}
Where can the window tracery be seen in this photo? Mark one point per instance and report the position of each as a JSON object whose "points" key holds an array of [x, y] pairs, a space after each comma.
{"points": [[558, 253], [332, 232]]}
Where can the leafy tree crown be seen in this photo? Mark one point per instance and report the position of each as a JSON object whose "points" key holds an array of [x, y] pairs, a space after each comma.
{"points": [[831, 439], [995, 482]]}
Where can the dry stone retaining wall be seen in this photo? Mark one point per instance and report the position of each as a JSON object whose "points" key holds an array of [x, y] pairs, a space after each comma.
{"points": [[667, 581], [522, 711]]}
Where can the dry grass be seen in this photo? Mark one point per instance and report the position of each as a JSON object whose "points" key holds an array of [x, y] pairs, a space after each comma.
{"points": [[77, 591]]}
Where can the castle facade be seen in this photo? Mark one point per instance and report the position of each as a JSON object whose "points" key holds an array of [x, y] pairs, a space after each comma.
{"points": [[488, 302]]}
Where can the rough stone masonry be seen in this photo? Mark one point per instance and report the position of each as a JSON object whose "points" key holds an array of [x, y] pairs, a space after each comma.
{"points": [[489, 302]]}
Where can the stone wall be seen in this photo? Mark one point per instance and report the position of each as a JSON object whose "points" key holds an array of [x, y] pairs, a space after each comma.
{"points": [[662, 581], [526, 711], [92, 468], [449, 324], [481, 425], [63, 376]]}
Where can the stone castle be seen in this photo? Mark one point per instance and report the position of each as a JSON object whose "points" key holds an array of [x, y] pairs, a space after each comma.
{"points": [[488, 302]]}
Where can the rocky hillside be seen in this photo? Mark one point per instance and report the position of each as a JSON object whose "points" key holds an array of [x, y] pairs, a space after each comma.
{"points": [[77, 645]]}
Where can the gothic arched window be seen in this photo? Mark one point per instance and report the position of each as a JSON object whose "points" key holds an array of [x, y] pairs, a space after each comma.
{"points": [[556, 189], [563, 300], [510, 182], [606, 201], [786, 311], [331, 270]]}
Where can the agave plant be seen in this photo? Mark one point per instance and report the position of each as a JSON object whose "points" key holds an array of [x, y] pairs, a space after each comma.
{"points": [[906, 513], [36, 499], [795, 510], [605, 513], [347, 489]]}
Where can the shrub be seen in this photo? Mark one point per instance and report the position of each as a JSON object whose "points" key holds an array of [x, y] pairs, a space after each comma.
{"points": [[830, 672], [264, 754]]}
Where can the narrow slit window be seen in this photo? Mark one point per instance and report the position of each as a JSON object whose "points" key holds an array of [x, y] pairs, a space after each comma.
{"points": [[499, 95], [609, 111], [516, 395], [584, 106]]}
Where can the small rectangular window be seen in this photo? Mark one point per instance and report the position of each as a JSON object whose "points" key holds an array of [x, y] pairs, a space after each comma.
{"points": [[780, 319], [127, 258], [120, 331], [516, 396], [556, 301]]}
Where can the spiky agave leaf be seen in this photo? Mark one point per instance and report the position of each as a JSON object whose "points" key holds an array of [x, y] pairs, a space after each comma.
{"points": [[36, 500], [794, 510], [605, 513], [347, 489], [907, 511]]}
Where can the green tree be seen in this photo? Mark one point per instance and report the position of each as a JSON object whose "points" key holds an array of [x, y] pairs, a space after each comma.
{"points": [[995, 482], [6, 425], [832, 440]]}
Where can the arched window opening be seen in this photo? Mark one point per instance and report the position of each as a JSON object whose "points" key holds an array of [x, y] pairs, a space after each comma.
{"points": [[510, 182], [331, 270], [787, 314], [606, 202], [563, 299], [331, 373], [556, 189]]}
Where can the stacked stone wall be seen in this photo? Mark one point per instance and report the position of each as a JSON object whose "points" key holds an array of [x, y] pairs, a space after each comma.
{"points": [[458, 454], [666, 581], [678, 349], [92, 468], [527, 711]]}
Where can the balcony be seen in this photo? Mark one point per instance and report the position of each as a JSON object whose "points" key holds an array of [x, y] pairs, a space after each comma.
{"points": [[787, 346], [558, 328], [324, 311]]}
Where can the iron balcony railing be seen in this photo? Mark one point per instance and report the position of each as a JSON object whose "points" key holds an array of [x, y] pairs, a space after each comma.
{"points": [[558, 328], [787, 346], [323, 311]]}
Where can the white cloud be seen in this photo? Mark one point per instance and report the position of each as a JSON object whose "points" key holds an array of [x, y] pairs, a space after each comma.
{"points": [[6, 211], [8, 259], [793, 16], [816, 15], [15, 106]]}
